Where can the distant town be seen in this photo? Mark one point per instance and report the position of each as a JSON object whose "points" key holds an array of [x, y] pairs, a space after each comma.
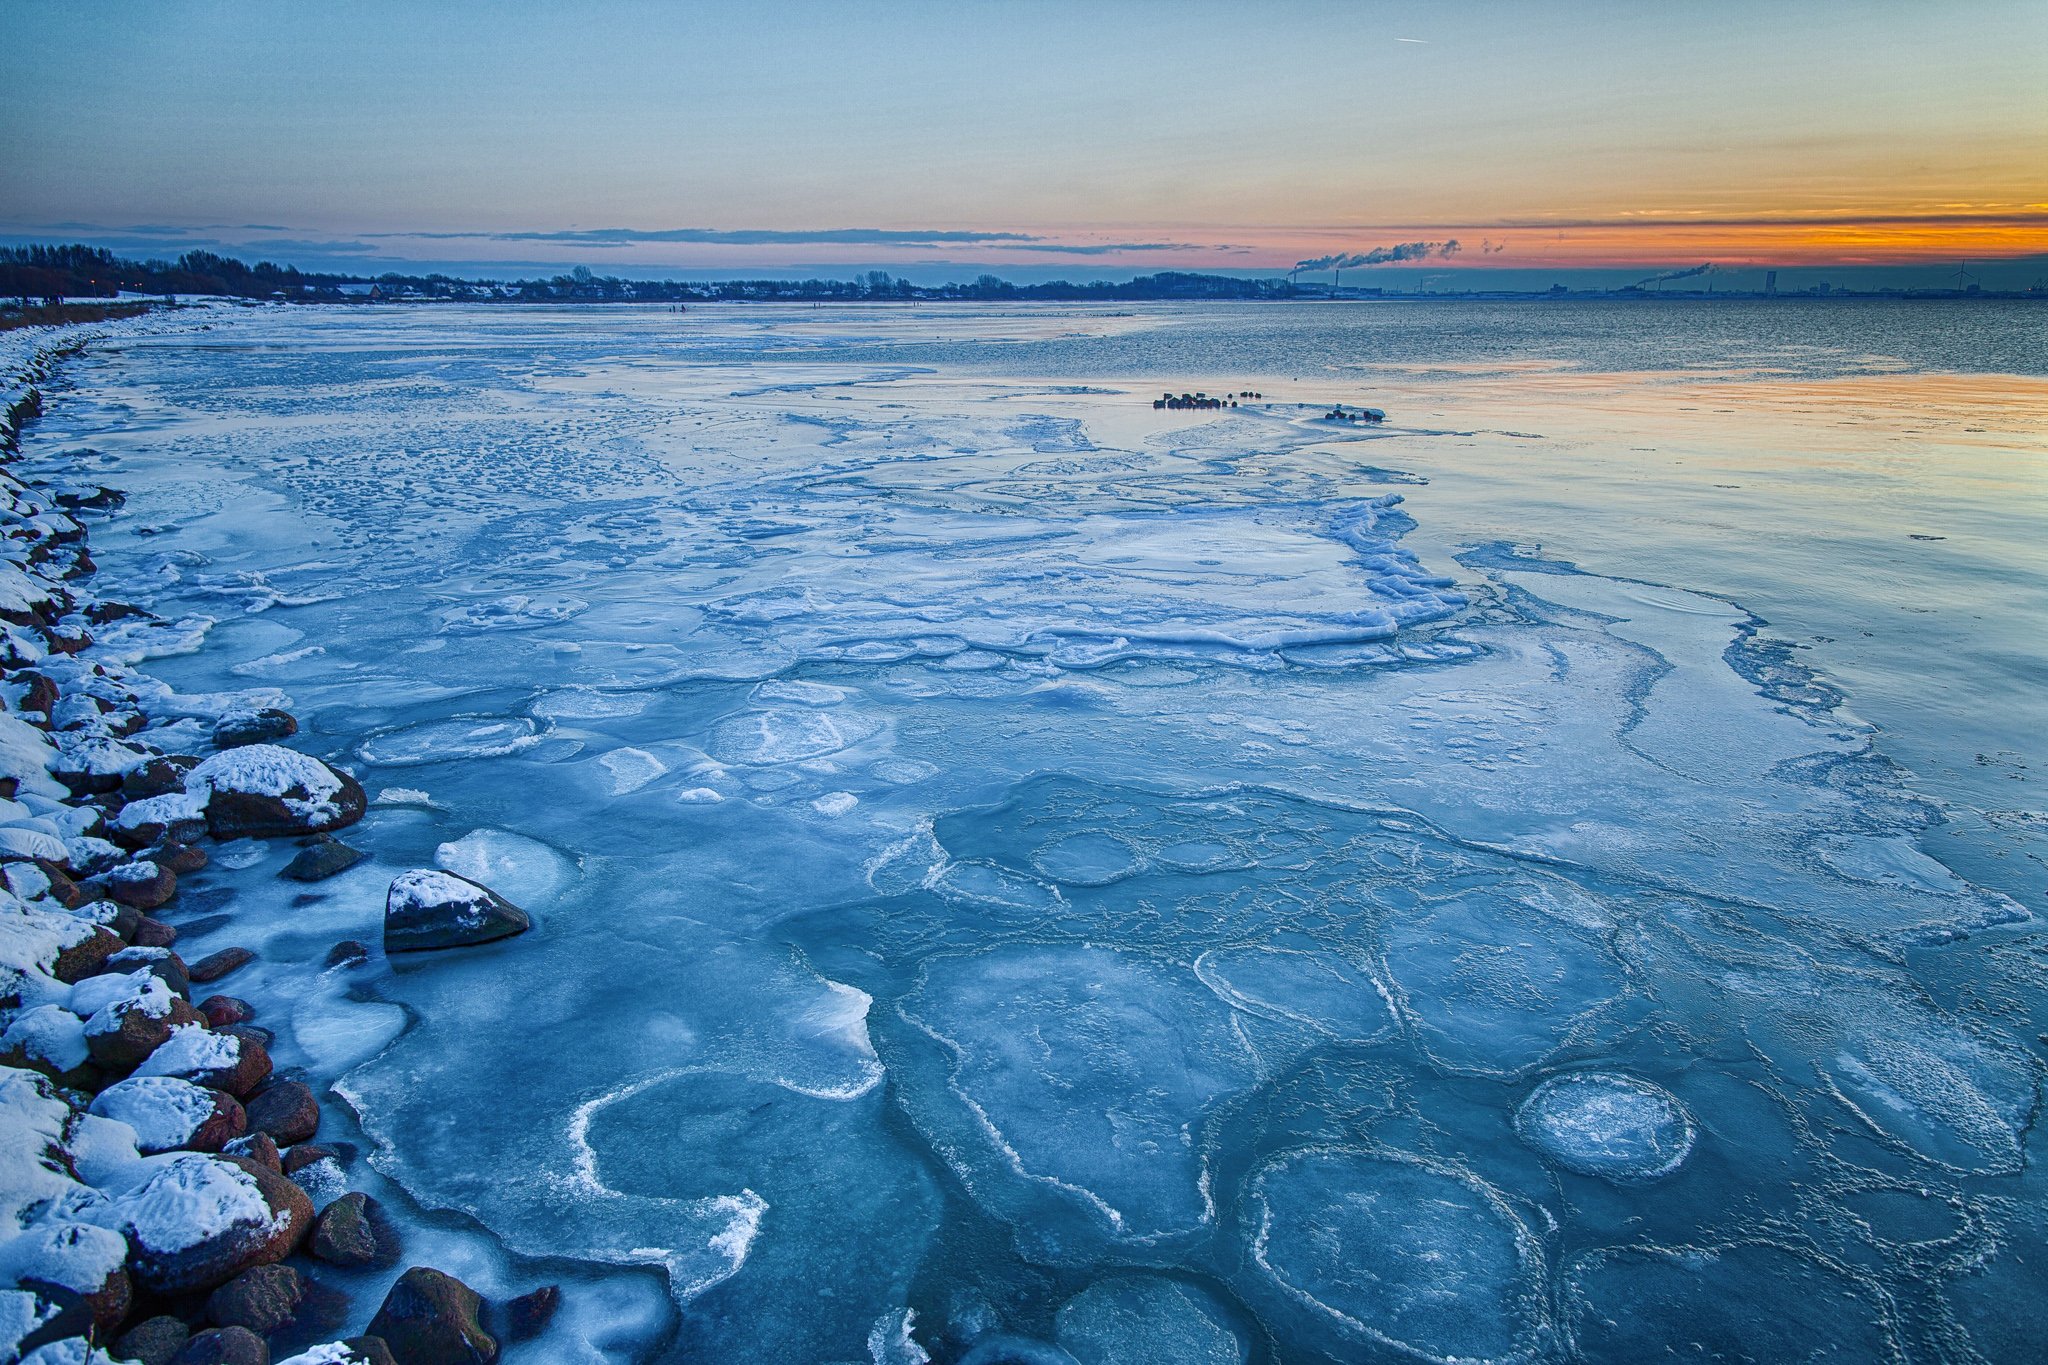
{"points": [[45, 277]]}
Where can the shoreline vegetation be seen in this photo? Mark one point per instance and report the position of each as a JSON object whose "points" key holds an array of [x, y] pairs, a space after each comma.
{"points": [[167, 1198], [47, 276]]}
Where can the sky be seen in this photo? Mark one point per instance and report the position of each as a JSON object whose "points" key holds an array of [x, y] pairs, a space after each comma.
{"points": [[1037, 138]]}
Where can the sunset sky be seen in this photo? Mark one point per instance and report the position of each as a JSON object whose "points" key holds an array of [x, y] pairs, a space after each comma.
{"points": [[1084, 139]]}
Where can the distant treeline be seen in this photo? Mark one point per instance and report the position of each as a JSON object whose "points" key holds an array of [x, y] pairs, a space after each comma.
{"points": [[76, 272], [59, 272]]}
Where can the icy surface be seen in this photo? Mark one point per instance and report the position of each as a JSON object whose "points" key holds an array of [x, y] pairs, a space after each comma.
{"points": [[1027, 876]]}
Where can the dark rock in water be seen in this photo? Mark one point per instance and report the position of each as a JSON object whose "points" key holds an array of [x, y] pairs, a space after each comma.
{"points": [[430, 1318], [529, 1314], [286, 1110], [254, 727], [261, 791], [370, 1350], [348, 953], [428, 909], [260, 1148], [259, 1217], [214, 966], [344, 1234], [262, 1299], [222, 1010], [224, 1346], [154, 1341], [321, 859], [180, 858], [152, 933], [304, 1155]]}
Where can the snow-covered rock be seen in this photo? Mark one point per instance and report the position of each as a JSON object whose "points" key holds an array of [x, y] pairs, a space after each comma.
{"points": [[197, 1221], [426, 908], [264, 791], [169, 1114]]}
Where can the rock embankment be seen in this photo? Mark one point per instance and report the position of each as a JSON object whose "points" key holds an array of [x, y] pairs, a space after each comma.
{"points": [[148, 1205]]}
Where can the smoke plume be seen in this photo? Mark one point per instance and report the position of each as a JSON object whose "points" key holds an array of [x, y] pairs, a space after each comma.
{"points": [[1384, 255]]}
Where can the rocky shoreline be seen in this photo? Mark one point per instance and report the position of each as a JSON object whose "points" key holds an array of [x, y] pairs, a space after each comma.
{"points": [[166, 1197]]}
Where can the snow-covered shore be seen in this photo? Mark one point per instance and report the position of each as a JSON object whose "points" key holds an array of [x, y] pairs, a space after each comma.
{"points": [[161, 1185]]}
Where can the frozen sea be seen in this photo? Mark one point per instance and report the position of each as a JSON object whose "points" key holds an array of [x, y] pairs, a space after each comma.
{"points": [[1024, 876]]}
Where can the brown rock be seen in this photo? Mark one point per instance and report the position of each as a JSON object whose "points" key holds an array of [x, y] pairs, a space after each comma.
{"points": [[254, 727], [180, 858], [154, 1341], [344, 1235], [430, 1318], [260, 1148], [223, 1010], [370, 1350], [158, 777], [529, 1314], [286, 1110], [144, 885], [224, 1346], [214, 966], [150, 933], [88, 956], [138, 1035], [174, 1259], [262, 1299], [305, 1154], [348, 953]]}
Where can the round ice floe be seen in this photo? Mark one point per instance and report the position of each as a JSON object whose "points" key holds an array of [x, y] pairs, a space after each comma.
{"points": [[516, 612], [1399, 1250], [525, 871], [785, 735], [1319, 989], [1494, 983], [1753, 1302], [1949, 1097], [800, 692], [1081, 1079], [436, 741], [1089, 858], [1139, 1320], [584, 703], [1616, 1127], [627, 770]]}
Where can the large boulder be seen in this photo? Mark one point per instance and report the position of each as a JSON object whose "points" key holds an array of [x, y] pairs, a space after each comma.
{"points": [[430, 1318], [263, 791], [427, 908], [198, 1221]]}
